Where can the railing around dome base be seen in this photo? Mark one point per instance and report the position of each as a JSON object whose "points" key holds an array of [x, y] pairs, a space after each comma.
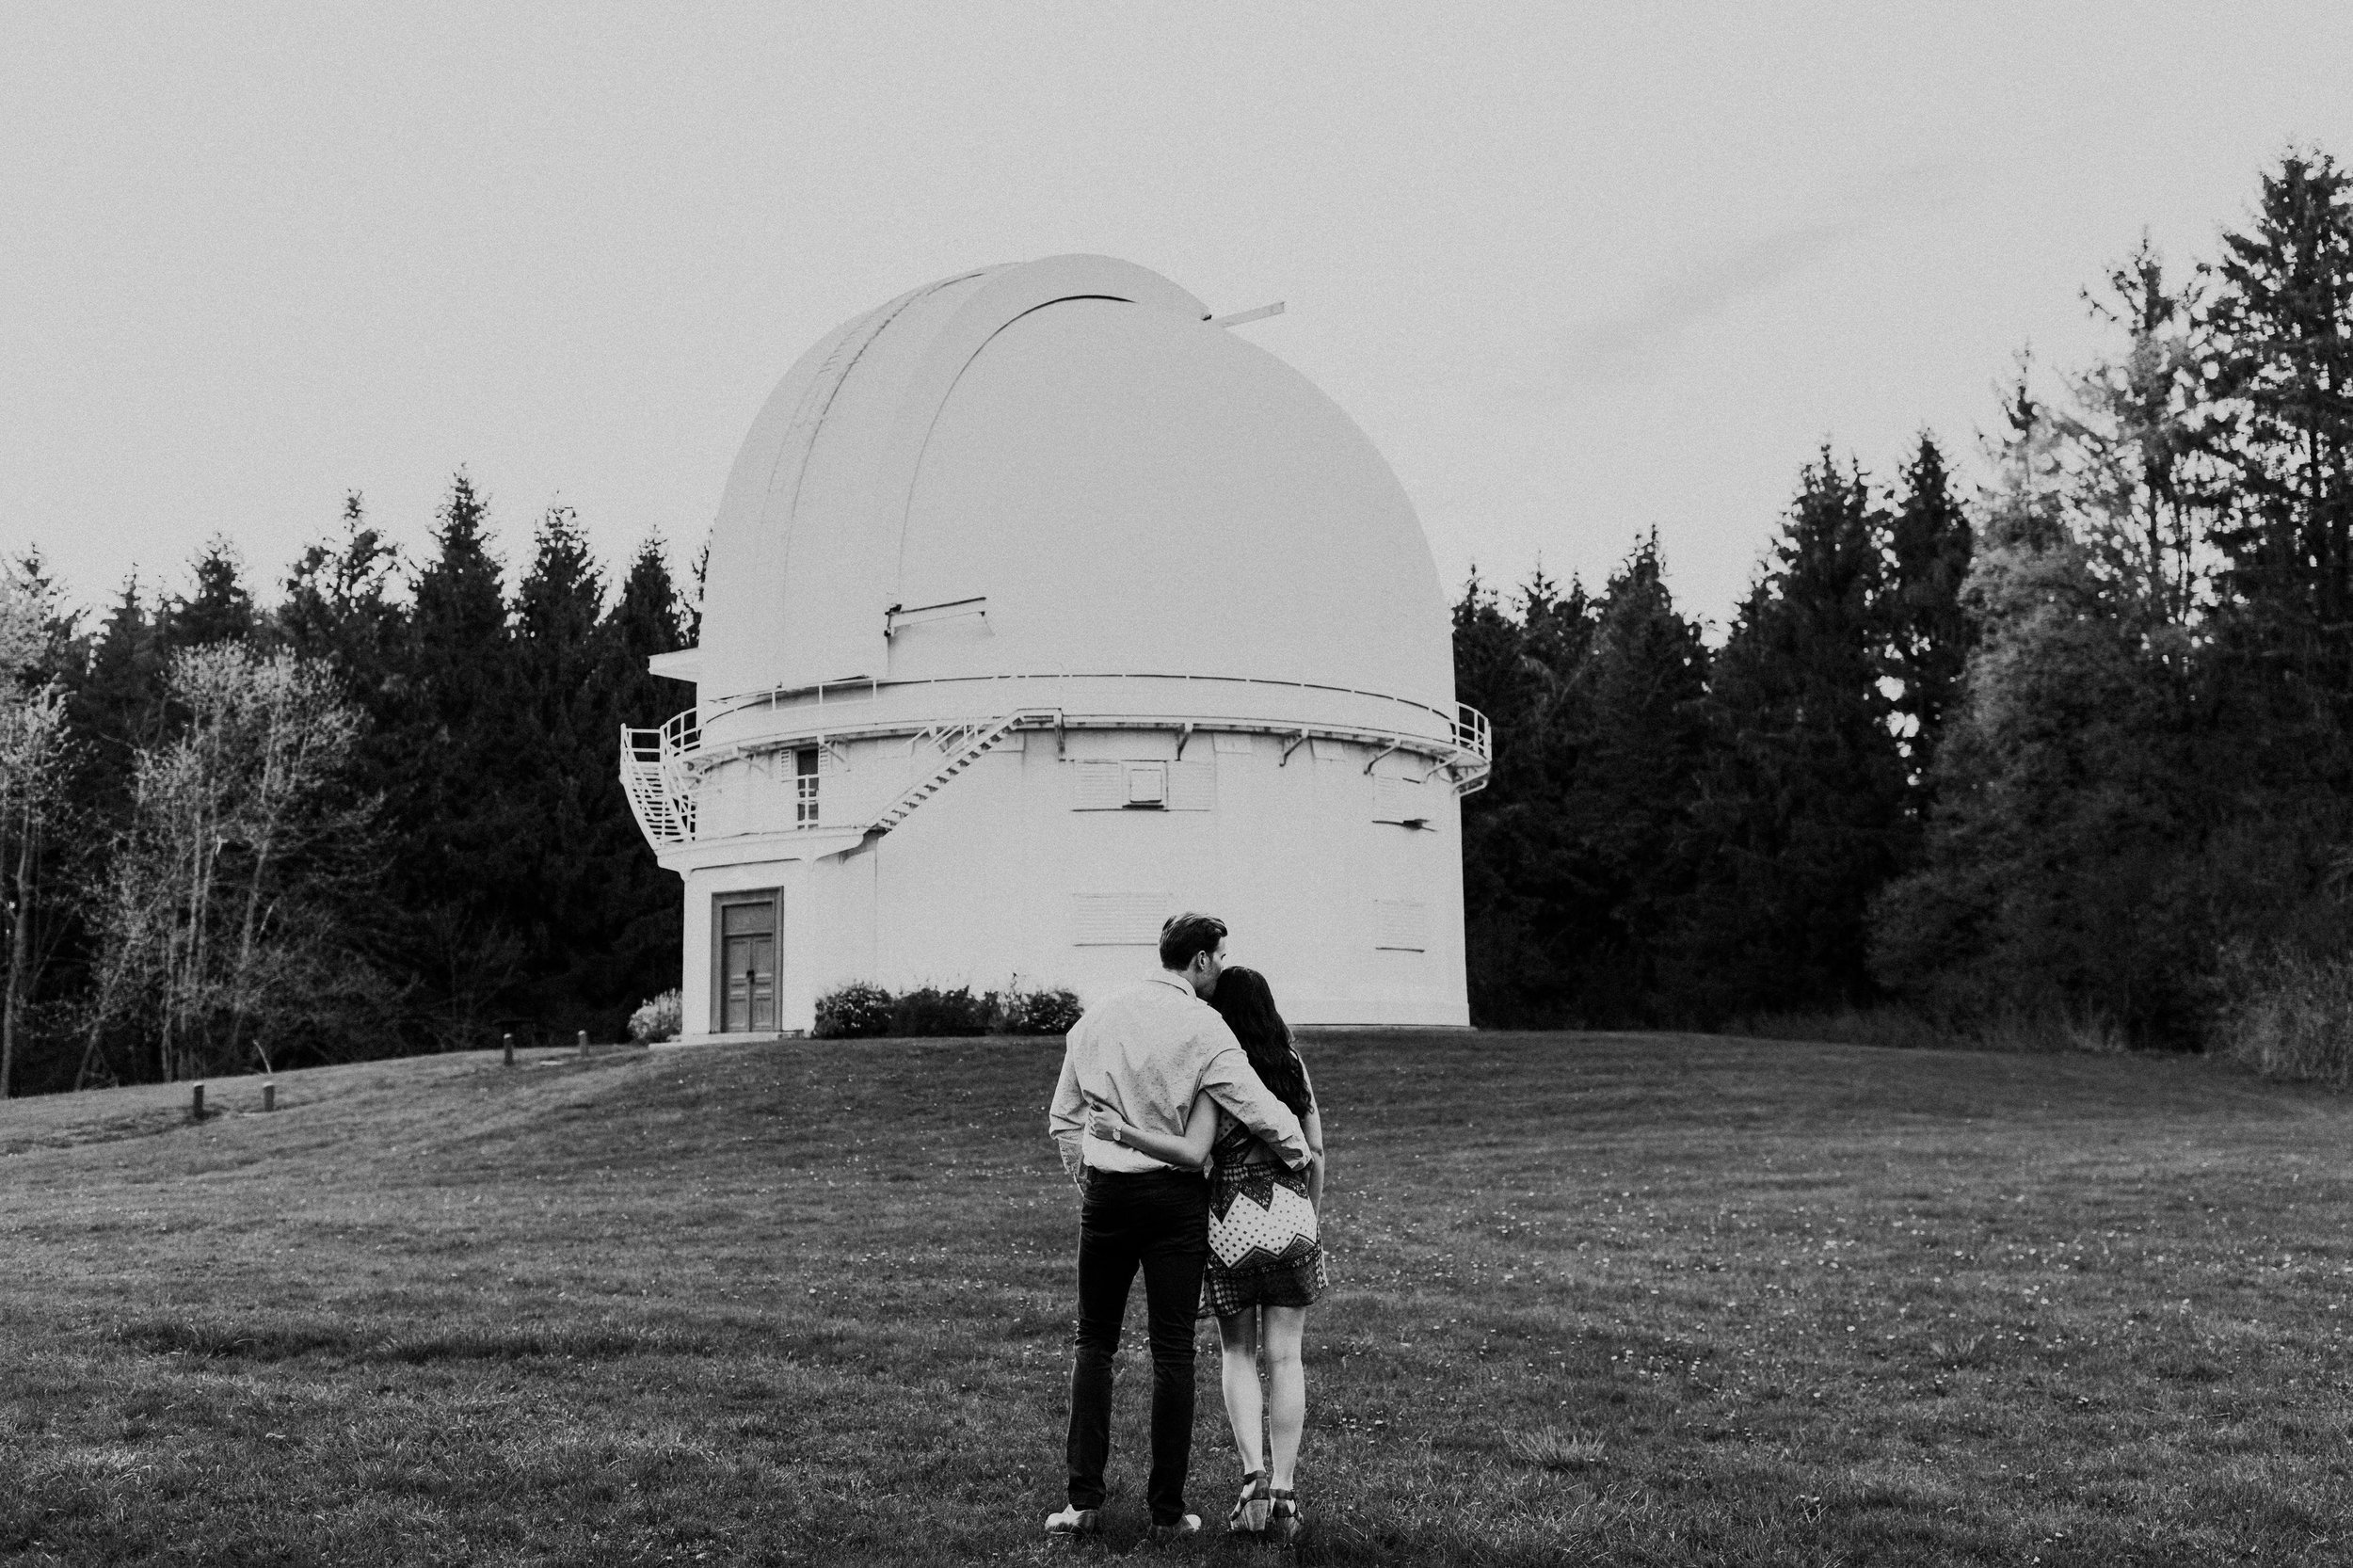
{"points": [[663, 769], [1474, 749]]}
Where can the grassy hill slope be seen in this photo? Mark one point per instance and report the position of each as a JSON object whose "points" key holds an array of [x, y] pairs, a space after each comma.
{"points": [[1642, 1298]]}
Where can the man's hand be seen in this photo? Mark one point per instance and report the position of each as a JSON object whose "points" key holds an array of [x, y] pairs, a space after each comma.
{"points": [[1104, 1123]]}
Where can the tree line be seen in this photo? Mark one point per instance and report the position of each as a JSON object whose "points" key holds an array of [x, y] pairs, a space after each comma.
{"points": [[2065, 754], [2070, 754], [376, 816]]}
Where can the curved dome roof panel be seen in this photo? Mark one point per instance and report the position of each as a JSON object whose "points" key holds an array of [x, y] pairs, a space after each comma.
{"points": [[1137, 493], [1132, 490]]}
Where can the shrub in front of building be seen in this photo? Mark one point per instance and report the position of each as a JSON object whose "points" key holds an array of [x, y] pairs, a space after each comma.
{"points": [[860, 1011], [1047, 1012], [655, 1019], [856, 1012]]}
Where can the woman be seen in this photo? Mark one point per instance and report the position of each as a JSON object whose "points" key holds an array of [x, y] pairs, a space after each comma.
{"points": [[1266, 1259]]}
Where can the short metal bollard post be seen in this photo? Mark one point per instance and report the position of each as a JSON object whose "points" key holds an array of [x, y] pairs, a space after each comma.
{"points": [[510, 1050], [269, 1096], [583, 1042], [196, 1102]]}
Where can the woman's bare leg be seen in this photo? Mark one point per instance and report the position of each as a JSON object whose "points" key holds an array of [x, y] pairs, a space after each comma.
{"points": [[1237, 1366], [1286, 1389]]}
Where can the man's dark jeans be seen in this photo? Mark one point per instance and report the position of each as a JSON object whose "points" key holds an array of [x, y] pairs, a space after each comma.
{"points": [[1157, 1219]]}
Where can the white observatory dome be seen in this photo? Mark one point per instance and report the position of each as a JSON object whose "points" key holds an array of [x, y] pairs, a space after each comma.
{"points": [[1053, 513]]}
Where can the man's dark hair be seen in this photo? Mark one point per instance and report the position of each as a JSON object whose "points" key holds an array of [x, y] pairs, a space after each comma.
{"points": [[1187, 935]]}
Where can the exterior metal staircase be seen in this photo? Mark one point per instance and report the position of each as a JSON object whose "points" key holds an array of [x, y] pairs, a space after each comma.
{"points": [[656, 775], [964, 742]]}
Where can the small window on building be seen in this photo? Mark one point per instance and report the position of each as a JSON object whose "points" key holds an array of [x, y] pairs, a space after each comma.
{"points": [[805, 787], [1147, 786]]}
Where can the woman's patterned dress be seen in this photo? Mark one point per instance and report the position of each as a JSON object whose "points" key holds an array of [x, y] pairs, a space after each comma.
{"points": [[1264, 1248]]}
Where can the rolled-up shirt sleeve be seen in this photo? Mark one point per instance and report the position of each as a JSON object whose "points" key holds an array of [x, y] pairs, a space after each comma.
{"points": [[1233, 1082], [1065, 1121]]}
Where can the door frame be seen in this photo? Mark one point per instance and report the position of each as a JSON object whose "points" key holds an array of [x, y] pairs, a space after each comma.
{"points": [[720, 903]]}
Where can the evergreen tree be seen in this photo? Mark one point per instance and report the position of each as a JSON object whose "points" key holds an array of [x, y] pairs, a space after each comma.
{"points": [[339, 609], [1929, 546], [2283, 324], [117, 704], [557, 901], [1521, 900], [1801, 814], [642, 939], [1645, 734], [220, 610], [2282, 667], [452, 808]]}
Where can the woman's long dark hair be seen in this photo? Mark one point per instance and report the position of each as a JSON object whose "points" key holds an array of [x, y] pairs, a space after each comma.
{"points": [[1246, 1003]]}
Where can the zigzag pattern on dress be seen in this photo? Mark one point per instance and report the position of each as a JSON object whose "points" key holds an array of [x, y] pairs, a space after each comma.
{"points": [[1262, 1230]]}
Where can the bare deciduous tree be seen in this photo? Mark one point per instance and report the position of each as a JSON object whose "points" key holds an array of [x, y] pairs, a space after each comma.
{"points": [[34, 751], [218, 913]]}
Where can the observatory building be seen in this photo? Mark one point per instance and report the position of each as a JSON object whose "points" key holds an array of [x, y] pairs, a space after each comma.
{"points": [[1041, 606]]}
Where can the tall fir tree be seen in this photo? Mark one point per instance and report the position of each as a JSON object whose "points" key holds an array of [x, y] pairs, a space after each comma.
{"points": [[1627, 802], [339, 608], [1930, 543], [641, 939], [559, 902], [117, 704], [2281, 325], [453, 810], [1522, 908], [220, 608], [1801, 816], [2282, 320]]}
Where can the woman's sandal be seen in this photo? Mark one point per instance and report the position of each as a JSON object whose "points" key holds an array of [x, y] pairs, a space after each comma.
{"points": [[1250, 1514], [1283, 1521]]}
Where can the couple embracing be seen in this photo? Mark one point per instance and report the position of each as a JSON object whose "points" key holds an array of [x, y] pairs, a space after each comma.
{"points": [[1192, 1072]]}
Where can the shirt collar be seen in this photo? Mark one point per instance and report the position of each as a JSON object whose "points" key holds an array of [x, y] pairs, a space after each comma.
{"points": [[1176, 982]]}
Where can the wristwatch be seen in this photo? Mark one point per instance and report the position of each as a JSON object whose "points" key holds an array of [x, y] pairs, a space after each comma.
{"points": [[1116, 1138]]}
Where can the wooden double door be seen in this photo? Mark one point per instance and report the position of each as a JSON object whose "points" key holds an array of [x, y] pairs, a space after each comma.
{"points": [[747, 965]]}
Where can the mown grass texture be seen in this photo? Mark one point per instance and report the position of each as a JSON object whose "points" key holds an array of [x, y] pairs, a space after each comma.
{"points": [[1616, 1299]]}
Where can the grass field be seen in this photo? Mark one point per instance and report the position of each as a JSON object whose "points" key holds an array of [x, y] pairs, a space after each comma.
{"points": [[1615, 1298]]}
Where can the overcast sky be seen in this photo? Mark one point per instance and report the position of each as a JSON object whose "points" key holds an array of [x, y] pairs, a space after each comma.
{"points": [[1578, 270]]}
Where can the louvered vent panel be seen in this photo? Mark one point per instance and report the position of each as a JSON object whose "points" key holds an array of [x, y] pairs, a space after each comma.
{"points": [[1117, 920], [1193, 786], [1099, 786]]}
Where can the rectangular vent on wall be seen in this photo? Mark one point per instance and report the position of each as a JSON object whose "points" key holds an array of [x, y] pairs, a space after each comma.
{"points": [[1097, 786], [1400, 800], [1117, 920], [1144, 786], [1193, 786], [1401, 925]]}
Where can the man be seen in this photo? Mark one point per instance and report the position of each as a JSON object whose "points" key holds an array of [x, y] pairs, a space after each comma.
{"points": [[1146, 1053]]}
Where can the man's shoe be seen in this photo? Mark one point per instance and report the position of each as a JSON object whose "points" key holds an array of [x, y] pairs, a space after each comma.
{"points": [[1075, 1520], [1183, 1529]]}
